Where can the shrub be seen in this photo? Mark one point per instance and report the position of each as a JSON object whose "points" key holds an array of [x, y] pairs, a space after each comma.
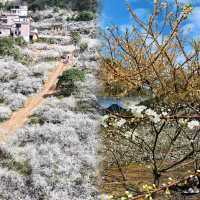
{"points": [[76, 37], [23, 167], [82, 16], [46, 40], [83, 46], [56, 9], [73, 18], [8, 48], [20, 41], [85, 16], [86, 5], [72, 75], [34, 119], [66, 82]]}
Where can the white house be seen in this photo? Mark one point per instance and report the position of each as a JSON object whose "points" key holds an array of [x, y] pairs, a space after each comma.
{"points": [[15, 23]]}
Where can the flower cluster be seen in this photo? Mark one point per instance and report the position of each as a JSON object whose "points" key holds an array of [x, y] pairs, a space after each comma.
{"points": [[187, 10], [148, 189], [193, 124], [189, 124], [105, 197], [127, 196]]}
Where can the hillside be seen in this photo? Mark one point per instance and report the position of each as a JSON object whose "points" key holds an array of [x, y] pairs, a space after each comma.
{"points": [[90, 5], [53, 155]]}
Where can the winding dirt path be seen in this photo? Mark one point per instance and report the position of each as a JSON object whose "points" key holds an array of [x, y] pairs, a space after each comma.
{"points": [[20, 117]]}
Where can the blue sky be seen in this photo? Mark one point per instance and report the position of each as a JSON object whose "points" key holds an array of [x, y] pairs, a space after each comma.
{"points": [[114, 12]]}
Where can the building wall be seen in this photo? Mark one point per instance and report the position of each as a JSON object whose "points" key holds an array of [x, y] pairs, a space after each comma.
{"points": [[22, 11], [4, 32], [11, 19], [25, 32]]}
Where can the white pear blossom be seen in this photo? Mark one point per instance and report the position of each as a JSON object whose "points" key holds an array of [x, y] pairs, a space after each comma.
{"points": [[103, 120], [15, 100], [137, 110], [128, 134], [5, 113], [153, 115], [121, 122], [18, 81], [164, 114], [193, 124]]}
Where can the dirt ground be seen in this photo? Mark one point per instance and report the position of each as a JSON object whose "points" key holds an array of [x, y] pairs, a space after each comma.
{"points": [[139, 175]]}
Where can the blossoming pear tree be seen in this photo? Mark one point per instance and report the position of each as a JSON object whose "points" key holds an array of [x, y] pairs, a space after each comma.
{"points": [[151, 60]]}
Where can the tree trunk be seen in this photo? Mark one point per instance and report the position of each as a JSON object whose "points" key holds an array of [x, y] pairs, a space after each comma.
{"points": [[156, 176]]}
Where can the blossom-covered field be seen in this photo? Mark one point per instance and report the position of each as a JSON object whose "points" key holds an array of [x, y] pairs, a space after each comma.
{"points": [[55, 155], [18, 81]]}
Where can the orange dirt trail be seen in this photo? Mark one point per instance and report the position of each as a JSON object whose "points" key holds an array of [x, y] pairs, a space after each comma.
{"points": [[20, 117]]}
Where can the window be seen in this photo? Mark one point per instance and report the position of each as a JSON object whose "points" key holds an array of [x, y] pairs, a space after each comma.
{"points": [[5, 21], [18, 25]]}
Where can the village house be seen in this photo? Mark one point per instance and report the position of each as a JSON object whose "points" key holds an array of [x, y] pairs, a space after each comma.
{"points": [[15, 23]]}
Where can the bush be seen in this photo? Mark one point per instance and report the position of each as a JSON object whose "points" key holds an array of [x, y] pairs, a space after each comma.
{"points": [[46, 40], [86, 5], [20, 41], [76, 37], [82, 16], [73, 18], [34, 119], [8, 48], [83, 46], [66, 82], [72, 75], [85, 16]]}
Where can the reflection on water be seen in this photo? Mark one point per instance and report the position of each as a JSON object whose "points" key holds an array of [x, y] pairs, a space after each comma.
{"points": [[106, 102]]}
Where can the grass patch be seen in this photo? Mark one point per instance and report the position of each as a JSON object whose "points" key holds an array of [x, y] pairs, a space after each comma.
{"points": [[7, 161], [82, 16], [83, 47], [46, 40], [8, 47], [35, 119]]}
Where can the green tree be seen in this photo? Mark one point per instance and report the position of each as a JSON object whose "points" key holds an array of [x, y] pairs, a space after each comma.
{"points": [[83, 46], [66, 82], [85, 16], [76, 37]]}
